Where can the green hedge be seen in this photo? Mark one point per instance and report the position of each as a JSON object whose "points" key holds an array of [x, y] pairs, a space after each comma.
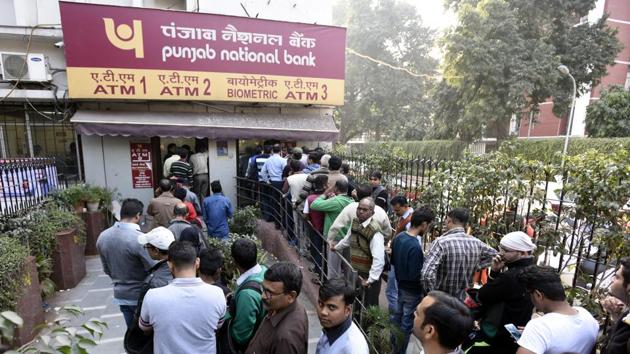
{"points": [[550, 150], [11, 264], [435, 149]]}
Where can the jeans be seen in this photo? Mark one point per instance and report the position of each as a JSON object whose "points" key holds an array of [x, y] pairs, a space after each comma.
{"points": [[391, 291], [403, 317], [128, 312]]}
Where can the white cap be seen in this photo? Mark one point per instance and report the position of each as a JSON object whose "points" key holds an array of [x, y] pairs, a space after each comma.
{"points": [[160, 238], [518, 241]]}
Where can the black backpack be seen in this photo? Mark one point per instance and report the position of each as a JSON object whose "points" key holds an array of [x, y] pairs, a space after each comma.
{"points": [[224, 340]]}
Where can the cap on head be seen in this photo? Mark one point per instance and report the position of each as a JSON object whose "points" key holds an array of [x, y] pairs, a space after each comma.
{"points": [[518, 241], [160, 238]]}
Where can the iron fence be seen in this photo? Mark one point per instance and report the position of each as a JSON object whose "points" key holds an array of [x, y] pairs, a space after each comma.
{"points": [[308, 241], [27, 182], [537, 204]]}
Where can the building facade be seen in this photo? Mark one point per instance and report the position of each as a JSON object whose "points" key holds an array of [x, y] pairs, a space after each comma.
{"points": [[545, 123], [94, 139]]}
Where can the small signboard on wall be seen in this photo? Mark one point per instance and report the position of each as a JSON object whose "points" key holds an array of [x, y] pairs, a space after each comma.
{"points": [[141, 174]]}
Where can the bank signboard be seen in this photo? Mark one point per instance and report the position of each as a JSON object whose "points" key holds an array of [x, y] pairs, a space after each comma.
{"points": [[115, 52]]}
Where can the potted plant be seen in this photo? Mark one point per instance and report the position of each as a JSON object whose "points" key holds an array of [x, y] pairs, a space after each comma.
{"points": [[57, 237], [73, 197], [20, 289], [93, 196]]}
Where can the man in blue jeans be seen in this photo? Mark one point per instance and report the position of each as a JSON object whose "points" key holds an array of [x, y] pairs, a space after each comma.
{"points": [[125, 260], [408, 258]]}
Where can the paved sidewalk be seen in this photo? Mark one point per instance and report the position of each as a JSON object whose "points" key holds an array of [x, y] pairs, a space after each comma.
{"points": [[94, 295]]}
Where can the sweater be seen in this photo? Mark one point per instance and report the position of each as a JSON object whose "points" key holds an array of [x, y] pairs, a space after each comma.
{"points": [[331, 207], [408, 258], [249, 311]]}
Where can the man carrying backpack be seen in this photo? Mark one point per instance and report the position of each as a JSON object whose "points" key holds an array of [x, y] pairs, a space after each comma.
{"points": [[245, 308]]}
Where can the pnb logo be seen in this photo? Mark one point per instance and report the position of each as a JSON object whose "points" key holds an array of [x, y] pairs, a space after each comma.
{"points": [[124, 37]]}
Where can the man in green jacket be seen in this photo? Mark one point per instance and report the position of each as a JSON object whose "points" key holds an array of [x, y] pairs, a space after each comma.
{"points": [[246, 310], [332, 206]]}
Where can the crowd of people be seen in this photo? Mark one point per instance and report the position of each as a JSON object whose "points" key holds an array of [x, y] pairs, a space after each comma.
{"points": [[170, 290]]}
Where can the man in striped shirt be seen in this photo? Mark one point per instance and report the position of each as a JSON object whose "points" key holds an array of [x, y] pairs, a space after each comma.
{"points": [[181, 169], [454, 257]]}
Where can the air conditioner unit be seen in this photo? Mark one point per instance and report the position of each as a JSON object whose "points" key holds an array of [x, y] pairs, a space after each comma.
{"points": [[17, 66]]}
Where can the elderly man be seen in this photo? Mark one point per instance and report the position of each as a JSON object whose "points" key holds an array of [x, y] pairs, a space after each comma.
{"points": [[179, 223], [367, 251]]}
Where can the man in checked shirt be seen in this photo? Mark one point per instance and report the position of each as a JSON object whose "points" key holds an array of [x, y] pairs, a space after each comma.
{"points": [[454, 257]]}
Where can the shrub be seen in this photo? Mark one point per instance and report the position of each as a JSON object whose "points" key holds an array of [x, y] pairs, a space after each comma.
{"points": [[11, 265], [244, 220], [230, 272], [428, 149], [380, 330], [550, 150], [37, 230]]}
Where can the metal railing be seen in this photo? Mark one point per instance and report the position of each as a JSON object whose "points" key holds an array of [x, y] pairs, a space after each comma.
{"points": [[309, 242], [27, 182], [537, 204]]}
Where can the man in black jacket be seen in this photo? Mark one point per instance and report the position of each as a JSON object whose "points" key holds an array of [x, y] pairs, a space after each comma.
{"points": [[504, 300], [619, 337]]}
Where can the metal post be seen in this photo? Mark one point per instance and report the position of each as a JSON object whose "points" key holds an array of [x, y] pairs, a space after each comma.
{"points": [[570, 127], [29, 136]]}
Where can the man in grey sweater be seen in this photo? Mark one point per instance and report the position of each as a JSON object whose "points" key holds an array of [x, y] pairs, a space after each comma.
{"points": [[124, 259]]}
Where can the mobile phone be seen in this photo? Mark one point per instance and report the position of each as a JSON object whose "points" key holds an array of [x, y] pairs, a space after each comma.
{"points": [[514, 332]]}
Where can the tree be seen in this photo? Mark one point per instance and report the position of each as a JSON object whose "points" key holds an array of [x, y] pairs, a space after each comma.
{"points": [[609, 116], [378, 99], [501, 58]]}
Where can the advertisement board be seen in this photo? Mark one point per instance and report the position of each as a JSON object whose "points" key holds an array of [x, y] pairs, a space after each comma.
{"points": [[130, 53]]}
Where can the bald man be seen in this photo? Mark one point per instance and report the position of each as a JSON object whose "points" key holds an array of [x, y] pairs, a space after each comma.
{"points": [[367, 251]]}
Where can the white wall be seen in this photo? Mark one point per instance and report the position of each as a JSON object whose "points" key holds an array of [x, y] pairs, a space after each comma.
{"points": [[224, 168], [107, 162]]}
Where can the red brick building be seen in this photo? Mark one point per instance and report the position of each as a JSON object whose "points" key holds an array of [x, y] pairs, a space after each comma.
{"points": [[546, 123]]}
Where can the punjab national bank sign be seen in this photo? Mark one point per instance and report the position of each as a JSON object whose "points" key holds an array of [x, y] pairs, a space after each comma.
{"points": [[133, 53]]}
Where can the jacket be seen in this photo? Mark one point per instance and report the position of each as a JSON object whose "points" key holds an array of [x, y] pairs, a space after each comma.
{"points": [[249, 311], [125, 260], [331, 207], [517, 309]]}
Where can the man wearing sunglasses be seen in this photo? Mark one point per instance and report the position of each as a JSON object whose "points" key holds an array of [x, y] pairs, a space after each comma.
{"points": [[285, 328]]}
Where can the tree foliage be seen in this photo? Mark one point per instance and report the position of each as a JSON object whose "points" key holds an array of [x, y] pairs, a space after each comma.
{"points": [[610, 115], [378, 99], [501, 60]]}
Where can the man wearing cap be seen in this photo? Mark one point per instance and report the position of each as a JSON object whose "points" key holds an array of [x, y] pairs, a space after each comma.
{"points": [[156, 242], [503, 298]]}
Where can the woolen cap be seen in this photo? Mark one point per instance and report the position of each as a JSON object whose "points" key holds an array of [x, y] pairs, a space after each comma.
{"points": [[160, 238], [518, 241]]}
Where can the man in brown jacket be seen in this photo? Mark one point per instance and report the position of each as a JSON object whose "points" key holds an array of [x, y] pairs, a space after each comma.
{"points": [[162, 208], [285, 328]]}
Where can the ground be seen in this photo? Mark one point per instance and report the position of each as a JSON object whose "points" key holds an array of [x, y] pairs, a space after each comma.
{"points": [[95, 293]]}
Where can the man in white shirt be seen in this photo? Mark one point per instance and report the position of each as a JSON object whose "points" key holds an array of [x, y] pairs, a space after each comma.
{"points": [[334, 308], [367, 251], [563, 328], [185, 314]]}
